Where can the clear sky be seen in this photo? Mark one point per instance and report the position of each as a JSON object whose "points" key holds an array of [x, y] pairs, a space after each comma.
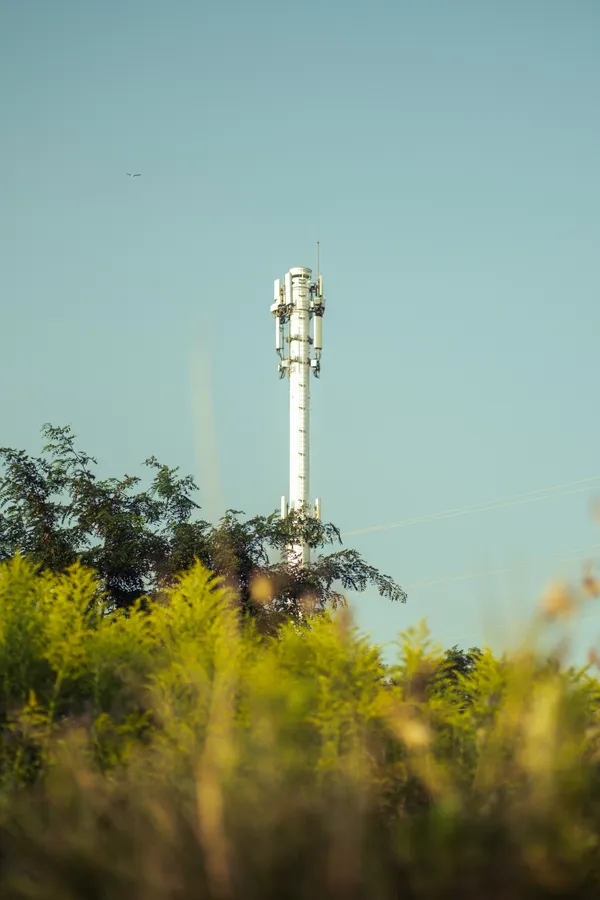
{"points": [[446, 155]]}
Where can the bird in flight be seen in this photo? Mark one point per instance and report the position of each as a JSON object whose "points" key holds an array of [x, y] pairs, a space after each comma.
{"points": [[134, 174]]}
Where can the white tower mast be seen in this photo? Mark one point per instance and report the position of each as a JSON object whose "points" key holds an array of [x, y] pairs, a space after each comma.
{"points": [[297, 302]]}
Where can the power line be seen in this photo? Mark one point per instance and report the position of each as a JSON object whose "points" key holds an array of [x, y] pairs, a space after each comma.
{"points": [[577, 553], [557, 490]]}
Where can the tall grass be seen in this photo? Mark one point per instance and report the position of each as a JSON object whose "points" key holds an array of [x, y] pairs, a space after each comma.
{"points": [[176, 753]]}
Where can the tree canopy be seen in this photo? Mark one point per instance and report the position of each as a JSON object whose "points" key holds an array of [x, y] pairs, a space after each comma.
{"points": [[54, 510]]}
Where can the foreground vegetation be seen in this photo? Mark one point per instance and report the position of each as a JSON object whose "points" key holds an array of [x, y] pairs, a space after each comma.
{"points": [[174, 751]]}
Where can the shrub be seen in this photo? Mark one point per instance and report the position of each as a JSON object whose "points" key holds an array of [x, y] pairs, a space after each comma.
{"points": [[174, 752]]}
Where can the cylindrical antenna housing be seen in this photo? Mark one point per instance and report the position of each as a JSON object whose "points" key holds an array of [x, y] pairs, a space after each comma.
{"points": [[318, 332], [288, 288]]}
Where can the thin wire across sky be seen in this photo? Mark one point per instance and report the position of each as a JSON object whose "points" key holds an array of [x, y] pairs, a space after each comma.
{"points": [[556, 490], [581, 485]]}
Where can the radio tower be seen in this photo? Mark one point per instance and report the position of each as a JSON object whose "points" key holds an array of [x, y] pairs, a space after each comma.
{"points": [[297, 302]]}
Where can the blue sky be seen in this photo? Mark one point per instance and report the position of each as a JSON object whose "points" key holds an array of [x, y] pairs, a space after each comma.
{"points": [[445, 154]]}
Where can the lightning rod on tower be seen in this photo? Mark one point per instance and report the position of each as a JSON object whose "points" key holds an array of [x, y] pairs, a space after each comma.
{"points": [[297, 302]]}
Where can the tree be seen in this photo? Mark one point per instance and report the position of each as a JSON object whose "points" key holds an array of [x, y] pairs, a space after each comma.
{"points": [[54, 510], [450, 672], [458, 662]]}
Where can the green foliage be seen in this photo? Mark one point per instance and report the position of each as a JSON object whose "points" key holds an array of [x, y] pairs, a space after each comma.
{"points": [[54, 511], [177, 751]]}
